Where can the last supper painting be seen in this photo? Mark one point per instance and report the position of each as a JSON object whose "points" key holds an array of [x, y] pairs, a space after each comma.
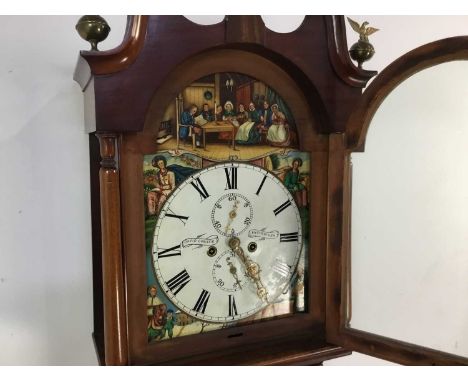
{"points": [[228, 115]]}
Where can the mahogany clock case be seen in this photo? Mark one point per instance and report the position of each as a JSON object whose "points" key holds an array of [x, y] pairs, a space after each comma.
{"points": [[319, 100], [126, 91]]}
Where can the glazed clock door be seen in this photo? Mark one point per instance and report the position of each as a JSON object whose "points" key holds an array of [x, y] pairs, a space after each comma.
{"points": [[407, 266]]}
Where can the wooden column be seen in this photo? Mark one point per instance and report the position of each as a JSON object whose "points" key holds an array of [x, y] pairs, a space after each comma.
{"points": [[338, 189], [115, 324]]}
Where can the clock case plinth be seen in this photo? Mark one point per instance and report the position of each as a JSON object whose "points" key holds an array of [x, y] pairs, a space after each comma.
{"points": [[125, 91]]}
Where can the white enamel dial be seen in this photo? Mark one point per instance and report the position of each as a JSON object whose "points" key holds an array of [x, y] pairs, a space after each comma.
{"points": [[227, 242]]}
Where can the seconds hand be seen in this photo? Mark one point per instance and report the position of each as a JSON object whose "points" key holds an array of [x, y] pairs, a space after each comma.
{"points": [[232, 216]]}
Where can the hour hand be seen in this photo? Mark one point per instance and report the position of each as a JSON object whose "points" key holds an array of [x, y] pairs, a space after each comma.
{"points": [[252, 268]]}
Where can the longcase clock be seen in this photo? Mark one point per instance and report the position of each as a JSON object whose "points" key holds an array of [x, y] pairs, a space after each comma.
{"points": [[220, 187]]}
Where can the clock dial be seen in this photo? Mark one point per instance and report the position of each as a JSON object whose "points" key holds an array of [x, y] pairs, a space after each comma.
{"points": [[226, 242]]}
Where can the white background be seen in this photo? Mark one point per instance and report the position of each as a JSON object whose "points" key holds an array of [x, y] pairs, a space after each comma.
{"points": [[45, 247]]}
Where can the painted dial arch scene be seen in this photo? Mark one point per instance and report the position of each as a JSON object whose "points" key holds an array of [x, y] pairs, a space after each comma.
{"points": [[227, 242]]}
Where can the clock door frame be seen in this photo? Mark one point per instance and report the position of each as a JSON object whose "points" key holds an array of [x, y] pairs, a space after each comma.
{"points": [[340, 185]]}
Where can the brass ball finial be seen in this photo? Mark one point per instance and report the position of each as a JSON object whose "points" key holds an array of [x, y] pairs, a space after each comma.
{"points": [[92, 28]]}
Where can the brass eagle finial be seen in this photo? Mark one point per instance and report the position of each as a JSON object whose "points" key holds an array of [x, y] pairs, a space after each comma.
{"points": [[363, 49], [362, 29]]}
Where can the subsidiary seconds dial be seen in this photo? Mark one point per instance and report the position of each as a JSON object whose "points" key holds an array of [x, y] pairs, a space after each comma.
{"points": [[232, 214], [227, 242]]}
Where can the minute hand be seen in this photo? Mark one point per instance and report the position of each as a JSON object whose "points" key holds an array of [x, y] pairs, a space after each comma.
{"points": [[253, 269]]}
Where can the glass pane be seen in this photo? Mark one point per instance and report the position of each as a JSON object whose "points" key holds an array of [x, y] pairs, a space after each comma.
{"points": [[410, 214]]}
